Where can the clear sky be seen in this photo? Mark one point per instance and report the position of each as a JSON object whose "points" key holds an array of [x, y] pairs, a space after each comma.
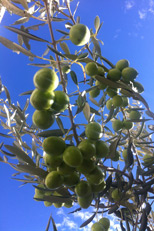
{"points": [[127, 32]]}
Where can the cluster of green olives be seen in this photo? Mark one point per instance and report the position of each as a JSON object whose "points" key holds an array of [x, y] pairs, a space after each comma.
{"points": [[102, 225], [45, 99], [76, 167]]}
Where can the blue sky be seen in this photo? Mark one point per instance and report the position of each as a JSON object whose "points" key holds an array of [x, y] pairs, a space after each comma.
{"points": [[127, 32]]}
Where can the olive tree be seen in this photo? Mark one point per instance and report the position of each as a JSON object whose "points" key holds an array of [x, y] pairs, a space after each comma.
{"points": [[101, 155]]}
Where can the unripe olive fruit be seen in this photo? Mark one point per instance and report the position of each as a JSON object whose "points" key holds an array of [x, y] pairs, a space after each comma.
{"points": [[114, 74], [79, 34], [116, 156], [109, 104], [65, 169], [43, 119], [94, 92], [93, 131], [96, 176], [101, 71], [85, 202], [91, 69], [86, 167], [83, 189], [72, 156], [87, 148], [54, 145], [47, 203], [105, 222], [46, 79], [121, 64], [102, 149], [97, 227], [42, 100], [61, 101], [117, 101], [52, 160], [117, 125], [147, 158], [100, 85], [116, 194], [127, 124], [72, 179], [134, 115], [96, 188], [125, 101], [111, 91], [129, 74], [54, 180]]}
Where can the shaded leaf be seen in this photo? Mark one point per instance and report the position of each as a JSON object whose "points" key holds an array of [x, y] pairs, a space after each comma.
{"points": [[88, 221], [48, 225], [54, 225], [5, 135], [26, 34], [92, 110], [143, 225], [74, 77], [55, 132]]}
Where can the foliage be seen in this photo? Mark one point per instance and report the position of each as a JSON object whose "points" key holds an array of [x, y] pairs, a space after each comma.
{"points": [[128, 177]]}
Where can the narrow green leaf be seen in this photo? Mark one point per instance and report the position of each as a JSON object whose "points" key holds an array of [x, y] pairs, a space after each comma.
{"points": [[15, 47], [110, 115], [54, 225], [60, 124], [88, 221], [56, 52], [20, 154], [86, 111], [48, 225], [96, 45], [7, 94], [92, 110], [21, 21], [97, 23], [26, 34], [83, 56], [65, 47], [74, 77], [63, 32], [26, 93], [31, 170], [113, 147]]}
